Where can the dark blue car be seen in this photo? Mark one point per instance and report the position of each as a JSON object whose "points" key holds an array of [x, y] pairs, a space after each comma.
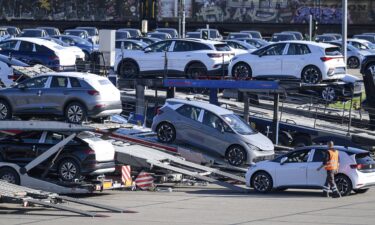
{"points": [[86, 46]]}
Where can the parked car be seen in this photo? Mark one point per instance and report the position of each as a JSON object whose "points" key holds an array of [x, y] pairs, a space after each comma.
{"points": [[86, 46], [13, 31], [354, 55], [337, 35], [85, 155], [93, 34], [78, 33], [238, 35], [258, 43], [297, 34], [187, 58], [214, 34], [240, 47], [325, 38], [7, 74], [254, 33], [146, 40], [73, 95], [171, 31], [122, 35], [283, 37], [80, 55], [159, 35], [193, 35], [212, 128], [4, 35], [127, 44], [38, 51], [362, 45], [51, 31], [298, 169], [134, 33], [370, 38], [33, 33], [309, 61]]}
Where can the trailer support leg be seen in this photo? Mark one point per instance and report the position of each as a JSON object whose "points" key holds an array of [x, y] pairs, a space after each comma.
{"points": [[213, 96], [170, 92], [276, 99]]}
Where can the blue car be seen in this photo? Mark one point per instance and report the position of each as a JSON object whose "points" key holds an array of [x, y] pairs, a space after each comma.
{"points": [[86, 46]]}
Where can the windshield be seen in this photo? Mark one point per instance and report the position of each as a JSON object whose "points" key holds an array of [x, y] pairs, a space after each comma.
{"points": [[31, 33], [80, 40], [74, 33], [90, 31], [283, 37], [233, 36], [238, 124]]}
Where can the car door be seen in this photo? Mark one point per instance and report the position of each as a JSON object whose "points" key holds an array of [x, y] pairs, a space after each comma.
{"points": [[180, 56], [293, 172], [315, 177], [8, 48], [55, 94], [269, 61], [28, 96], [187, 124], [153, 59], [26, 53], [295, 59]]}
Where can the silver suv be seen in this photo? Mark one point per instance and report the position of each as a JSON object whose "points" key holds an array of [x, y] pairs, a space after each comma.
{"points": [[76, 96], [211, 128]]}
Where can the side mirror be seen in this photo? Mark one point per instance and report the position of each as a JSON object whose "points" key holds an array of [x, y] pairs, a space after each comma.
{"points": [[22, 86], [147, 50], [283, 160]]}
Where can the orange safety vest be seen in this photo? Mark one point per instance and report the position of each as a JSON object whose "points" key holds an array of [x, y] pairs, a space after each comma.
{"points": [[333, 162]]}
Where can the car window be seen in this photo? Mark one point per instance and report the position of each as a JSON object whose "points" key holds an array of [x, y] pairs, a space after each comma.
{"points": [[298, 49], [59, 82], [39, 82], [30, 137], [53, 138], [74, 82], [26, 46], [162, 46], [222, 47], [43, 49], [8, 45], [319, 155], [211, 120], [183, 46], [298, 156], [189, 111]]}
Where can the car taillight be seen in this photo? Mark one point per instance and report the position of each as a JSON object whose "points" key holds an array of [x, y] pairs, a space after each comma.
{"points": [[89, 151], [93, 92], [53, 57], [159, 111], [325, 59], [214, 55], [13, 77], [357, 166]]}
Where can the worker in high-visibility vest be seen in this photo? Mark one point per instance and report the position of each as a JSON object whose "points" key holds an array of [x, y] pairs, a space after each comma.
{"points": [[331, 165]]}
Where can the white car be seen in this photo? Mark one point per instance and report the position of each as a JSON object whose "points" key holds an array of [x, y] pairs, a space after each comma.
{"points": [[7, 73], [240, 47], [310, 62], [298, 169], [187, 58]]}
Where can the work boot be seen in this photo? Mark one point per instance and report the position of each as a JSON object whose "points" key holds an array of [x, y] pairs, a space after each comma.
{"points": [[336, 194], [325, 194]]}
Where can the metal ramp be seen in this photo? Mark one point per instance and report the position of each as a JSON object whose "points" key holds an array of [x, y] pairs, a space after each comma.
{"points": [[145, 157], [17, 194], [43, 126]]}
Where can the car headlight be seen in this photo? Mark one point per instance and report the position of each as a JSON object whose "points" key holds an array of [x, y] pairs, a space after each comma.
{"points": [[253, 148]]}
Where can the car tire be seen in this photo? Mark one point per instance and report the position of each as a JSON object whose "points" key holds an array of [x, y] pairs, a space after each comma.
{"points": [[262, 182], [361, 191], [5, 110], [75, 113], [166, 133], [128, 70], [301, 141], [311, 75], [195, 71], [329, 94], [353, 62], [68, 170], [236, 155], [242, 71], [344, 184], [10, 175]]}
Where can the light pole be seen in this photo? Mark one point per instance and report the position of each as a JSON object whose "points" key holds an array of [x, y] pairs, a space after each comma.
{"points": [[344, 28]]}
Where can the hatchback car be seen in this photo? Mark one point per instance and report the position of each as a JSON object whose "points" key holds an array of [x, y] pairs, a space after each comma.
{"points": [[354, 55], [33, 33], [238, 36], [86, 46], [325, 38], [85, 155], [122, 35], [240, 47], [78, 33], [283, 37], [13, 31], [211, 128], [256, 42], [298, 169], [171, 31], [76, 96], [159, 35], [296, 34], [367, 37], [134, 33], [51, 31], [146, 40], [254, 33], [93, 33], [310, 62]]}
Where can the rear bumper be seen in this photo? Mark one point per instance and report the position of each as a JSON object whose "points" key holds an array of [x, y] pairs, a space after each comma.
{"points": [[98, 168], [220, 71], [105, 109]]}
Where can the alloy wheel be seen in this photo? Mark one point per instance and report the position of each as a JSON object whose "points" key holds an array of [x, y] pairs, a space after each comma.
{"points": [[10, 178], [236, 156], [342, 185], [329, 94], [353, 62], [68, 171], [166, 133], [261, 183], [241, 71], [3, 111], [75, 114], [311, 75]]}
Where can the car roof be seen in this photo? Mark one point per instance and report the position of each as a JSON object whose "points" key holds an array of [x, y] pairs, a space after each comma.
{"points": [[37, 41], [349, 150], [318, 44], [204, 105], [81, 75], [38, 29]]}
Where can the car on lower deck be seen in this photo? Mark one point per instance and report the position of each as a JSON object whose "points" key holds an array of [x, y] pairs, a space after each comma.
{"points": [[298, 169], [85, 155]]}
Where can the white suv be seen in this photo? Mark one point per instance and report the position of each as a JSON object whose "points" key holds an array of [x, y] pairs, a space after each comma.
{"points": [[189, 58], [309, 61], [298, 169]]}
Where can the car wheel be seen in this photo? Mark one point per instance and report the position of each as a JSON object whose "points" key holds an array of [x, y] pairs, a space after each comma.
{"points": [[311, 75], [5, 111], [75, 113], [69, 170], [166, 133], [329, 94], [301, 141], [87, 55], [236, 155], [344, 184], [353, 62], [361, 191], [371, 69], [242, 71], [128, 70], [196, 70], [262, 182], [9, 175]]}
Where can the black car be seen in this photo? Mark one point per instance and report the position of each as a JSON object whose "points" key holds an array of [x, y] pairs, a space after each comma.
{"points": [[85, 155]]}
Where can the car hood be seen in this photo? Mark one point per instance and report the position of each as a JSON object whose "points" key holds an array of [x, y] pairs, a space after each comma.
{"points": [[260, 141]]}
